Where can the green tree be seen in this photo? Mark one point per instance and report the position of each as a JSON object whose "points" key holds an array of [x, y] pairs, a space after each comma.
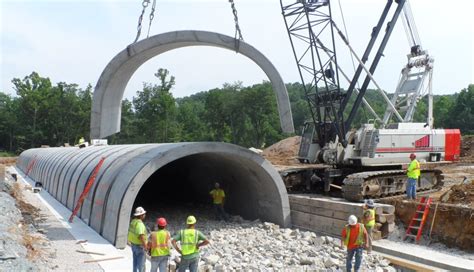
{"points": [[156, 110], [462, 113]]}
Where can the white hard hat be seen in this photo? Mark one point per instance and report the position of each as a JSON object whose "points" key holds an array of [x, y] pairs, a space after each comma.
{"points": [[352, 220], [139, 211]]}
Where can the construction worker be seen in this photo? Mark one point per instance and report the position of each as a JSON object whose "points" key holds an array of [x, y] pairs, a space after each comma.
{"points": [[413, 173], [82, 142], [369, 220], [218, 198], [190, 241], [355, 238], [137, 237], [159, 245]]}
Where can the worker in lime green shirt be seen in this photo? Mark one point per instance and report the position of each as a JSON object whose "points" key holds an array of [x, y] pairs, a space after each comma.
{"points": [[190, 241], [413, 173], [369, 221], [137, 238], [218, 199]]}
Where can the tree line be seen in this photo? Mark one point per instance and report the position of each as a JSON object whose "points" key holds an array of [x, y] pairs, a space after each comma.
{"points": [[45, 114]]}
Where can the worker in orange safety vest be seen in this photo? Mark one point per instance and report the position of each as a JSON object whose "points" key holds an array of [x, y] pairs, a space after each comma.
{"points": [[159, 245], [355, 238]]}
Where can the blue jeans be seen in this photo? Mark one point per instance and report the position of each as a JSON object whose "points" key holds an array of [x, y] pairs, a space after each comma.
{"points": [[220, 213], [160, 262], [192, 264], [358, 259], [138, 253], [411, 188]]}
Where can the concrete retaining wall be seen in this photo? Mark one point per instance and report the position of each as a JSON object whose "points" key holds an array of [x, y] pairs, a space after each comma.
{"points": [[254, 187]]}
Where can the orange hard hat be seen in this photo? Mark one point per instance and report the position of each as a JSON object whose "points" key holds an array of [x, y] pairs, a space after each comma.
{"points": [[412, 155], [161, 222]]}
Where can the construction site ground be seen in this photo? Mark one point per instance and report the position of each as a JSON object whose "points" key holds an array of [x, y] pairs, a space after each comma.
{"points": [[451, 231], [45, 241]]}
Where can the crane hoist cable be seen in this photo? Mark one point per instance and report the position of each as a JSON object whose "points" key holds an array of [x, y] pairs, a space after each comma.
{"points": [[152, 15], [145, 4], [238, 34]]}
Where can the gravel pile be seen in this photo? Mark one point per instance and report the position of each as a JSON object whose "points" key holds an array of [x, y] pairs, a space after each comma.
{"points": [[12, 252], [253, 245], [26, 221]]}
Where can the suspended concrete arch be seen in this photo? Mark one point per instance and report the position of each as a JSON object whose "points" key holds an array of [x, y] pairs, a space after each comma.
{"points": [[254, 188], [108, 94]]}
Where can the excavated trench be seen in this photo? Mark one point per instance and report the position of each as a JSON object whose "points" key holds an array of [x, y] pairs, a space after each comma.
{"points": [[157, 176]]}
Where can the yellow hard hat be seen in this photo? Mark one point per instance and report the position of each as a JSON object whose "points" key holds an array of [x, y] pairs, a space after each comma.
{"points": [[191, 220]]}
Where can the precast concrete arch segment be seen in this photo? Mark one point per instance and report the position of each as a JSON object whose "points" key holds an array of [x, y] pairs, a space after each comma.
{"points": [[108, 93], [254, 188]]}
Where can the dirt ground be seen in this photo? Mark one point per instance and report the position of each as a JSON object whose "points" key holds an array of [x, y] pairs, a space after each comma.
{"points": [[8, 160], [453, 223]]}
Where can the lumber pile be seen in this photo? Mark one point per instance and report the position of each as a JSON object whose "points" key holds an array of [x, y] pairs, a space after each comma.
{"points": [[329, 215]]}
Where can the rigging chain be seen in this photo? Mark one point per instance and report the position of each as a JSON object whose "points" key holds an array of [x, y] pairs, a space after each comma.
{"points": [[238, 34], [152, 15], [140, 19]]}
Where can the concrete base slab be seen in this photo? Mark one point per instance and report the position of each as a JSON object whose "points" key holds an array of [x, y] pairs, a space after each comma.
{"points": [[80, 231], [423, 255]]}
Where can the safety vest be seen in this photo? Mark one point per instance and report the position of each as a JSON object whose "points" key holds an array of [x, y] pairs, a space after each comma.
{"points": [[133, 231], [189, 240], [360, 235], [217, 196], [414, 169], [371, 222], [162, 241], [81, 140]]}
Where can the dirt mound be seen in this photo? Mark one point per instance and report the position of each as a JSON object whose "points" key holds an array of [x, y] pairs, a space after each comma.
{"points": [[8, 160], [284, 152], [467, 146], [460, 194]]}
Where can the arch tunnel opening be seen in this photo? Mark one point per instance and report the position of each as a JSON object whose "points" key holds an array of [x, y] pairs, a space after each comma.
{"points": [[165, 179], [182, 187]]}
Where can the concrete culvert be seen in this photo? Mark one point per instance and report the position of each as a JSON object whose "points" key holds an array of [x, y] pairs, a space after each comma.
{"points": [[153, 175]]}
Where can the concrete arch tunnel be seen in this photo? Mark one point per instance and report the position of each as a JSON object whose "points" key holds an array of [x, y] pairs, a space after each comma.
{"points": [[255, 189], [108, 93]]}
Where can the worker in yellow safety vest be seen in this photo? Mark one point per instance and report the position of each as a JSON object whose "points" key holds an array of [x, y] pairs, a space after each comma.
{"points": [[137, 238], [355, 238], [218, 199], [413, 173], [159, 245], [82, 142], [190, 240], [369, 221]]}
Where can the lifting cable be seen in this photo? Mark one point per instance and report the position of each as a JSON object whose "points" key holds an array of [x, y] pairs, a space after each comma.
{"points": [[238, 34], [152, 15], [145, 4]]}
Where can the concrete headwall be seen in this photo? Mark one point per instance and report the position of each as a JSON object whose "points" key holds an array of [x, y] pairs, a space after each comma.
{"points": [[254, 187]]}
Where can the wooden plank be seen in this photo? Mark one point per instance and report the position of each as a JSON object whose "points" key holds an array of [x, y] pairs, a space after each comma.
{"points": [[318, 223], [337, 205], [407, 264], [2, 172], [104, 259], [342, 215], [376, 235], [380, 218], [390, 218], [90, 252]]}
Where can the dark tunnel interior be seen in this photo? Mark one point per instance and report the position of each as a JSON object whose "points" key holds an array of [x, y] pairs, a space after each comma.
{"points": [[188, 181]]}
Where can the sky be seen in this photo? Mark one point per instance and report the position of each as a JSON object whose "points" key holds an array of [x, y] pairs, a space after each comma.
{"points": [[72, 41]]}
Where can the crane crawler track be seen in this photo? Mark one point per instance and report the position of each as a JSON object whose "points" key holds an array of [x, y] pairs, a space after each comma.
{"points": [[387, 183]]}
